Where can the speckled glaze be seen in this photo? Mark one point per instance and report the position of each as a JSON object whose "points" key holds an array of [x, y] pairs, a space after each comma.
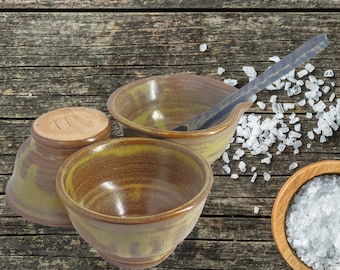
{"points": [[282, 203], [134, 199], [152, 107], [56, 135]]}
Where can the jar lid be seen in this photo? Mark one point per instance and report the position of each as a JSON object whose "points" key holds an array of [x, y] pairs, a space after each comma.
{"points": [[71, 127]]}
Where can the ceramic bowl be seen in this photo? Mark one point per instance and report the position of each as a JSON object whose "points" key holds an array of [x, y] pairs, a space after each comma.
{"points": [[134, 199], [282, 203], [55, 135], [152, 107]]}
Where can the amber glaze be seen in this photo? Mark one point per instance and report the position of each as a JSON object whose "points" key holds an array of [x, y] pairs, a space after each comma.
{"points": [[134, 199], [282, 203], [55, 135], [153, 106]]}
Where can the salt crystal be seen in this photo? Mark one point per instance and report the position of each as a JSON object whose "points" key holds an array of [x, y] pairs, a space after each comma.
{"points": [[266, 176], [253, 178], [293, 166], [203, 47], [300, 83], [225, 157], [310, 135], [220, 70], [326, 89], [320, 106], [302, 102], [320, 82], [288, 106], [253, 169], [239, 152], [256, 210], [242, 166], [297, 127], [332, 97], [312, 86], [309, 145], [226, 168], [281, 147], [332, 84], [302, 73], [309, 115], [231, 82], [273, 99], [309, 67], [261, 105], [266, 160], [313, 79], [240, 140], [296, 90], [250, 71], [292, 79], [275, 59], [234, 176], [328, 73], [236, 157], [287, 85], [323, 139], [311, 102], [277, 108]]}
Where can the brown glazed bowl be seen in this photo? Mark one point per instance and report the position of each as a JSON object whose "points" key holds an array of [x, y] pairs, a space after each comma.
{"points": [[134, 199], [153, 106], [282, 203]]}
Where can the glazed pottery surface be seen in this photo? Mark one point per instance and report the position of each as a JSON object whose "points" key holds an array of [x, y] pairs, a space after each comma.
{"points": [[134, 199], [283, 200], [55, 135], [152, 107]]}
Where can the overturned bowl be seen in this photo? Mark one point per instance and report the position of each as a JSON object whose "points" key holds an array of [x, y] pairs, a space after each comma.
{"points": [[283, 202], [153, 106], [134, 199]]}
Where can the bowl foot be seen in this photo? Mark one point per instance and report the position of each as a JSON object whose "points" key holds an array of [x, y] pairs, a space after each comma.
{"points": [[141, 263]]}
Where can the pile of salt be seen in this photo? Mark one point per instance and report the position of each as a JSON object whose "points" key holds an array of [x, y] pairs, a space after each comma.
{"points": [[313, 223]]}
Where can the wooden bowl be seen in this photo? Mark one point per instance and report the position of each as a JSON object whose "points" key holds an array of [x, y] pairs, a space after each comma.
{"points": [[282, 203]]}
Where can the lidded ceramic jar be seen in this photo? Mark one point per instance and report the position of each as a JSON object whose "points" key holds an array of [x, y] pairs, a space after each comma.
{"points": [[55, 135]]}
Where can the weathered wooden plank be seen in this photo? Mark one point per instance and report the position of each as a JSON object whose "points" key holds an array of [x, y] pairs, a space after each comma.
{"points": [[163, 39], [212, 228], [188, 255], [170, 4]]}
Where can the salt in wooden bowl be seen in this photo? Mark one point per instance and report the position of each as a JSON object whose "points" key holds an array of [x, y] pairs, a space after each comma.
{"points": [[282, 203]]}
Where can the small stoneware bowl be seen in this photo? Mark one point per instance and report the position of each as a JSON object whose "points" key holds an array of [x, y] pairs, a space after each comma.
{"points": [[55, 135], [282, 203], [134, 199], [154, 106]]}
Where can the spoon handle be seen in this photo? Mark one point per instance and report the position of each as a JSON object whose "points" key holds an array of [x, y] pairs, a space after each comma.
{"points": [[297, 57]]}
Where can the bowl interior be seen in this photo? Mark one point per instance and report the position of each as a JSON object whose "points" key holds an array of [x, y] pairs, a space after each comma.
{"points": [[163, 102], [282, 204], [135, 178]]}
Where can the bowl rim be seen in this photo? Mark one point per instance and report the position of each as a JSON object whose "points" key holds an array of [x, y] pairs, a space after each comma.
{"points": [[282, 203], [173, 133], [64, 170]]}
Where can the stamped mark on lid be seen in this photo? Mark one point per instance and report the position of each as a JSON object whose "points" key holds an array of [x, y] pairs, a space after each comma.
{"points": [[71, 124]]}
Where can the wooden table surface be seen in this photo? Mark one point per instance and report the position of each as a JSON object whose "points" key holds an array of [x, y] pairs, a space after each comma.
{"points": [[75, 53]]}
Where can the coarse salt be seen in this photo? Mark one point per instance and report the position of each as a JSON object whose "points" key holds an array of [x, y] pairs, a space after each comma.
{"points": [[312, 222], [203, 47]]}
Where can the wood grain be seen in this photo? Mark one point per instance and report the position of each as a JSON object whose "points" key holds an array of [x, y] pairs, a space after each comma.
{"points": [[170, 4], [70, 53]]}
